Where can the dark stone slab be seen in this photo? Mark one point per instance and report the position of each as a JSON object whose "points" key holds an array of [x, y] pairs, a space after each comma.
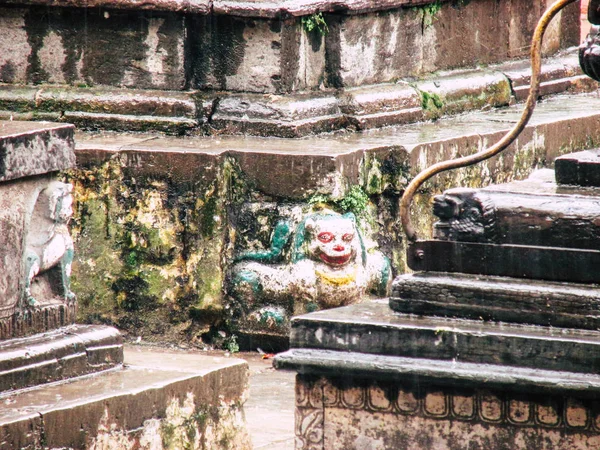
{"points": [[533, 212], [57, 355], [33, 148], [581, 168], [497, 298], [575, 265], [372, 328], [351, 365]]}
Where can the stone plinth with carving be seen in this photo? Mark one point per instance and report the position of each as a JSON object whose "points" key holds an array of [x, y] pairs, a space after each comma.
{"points": [[36, 251]]}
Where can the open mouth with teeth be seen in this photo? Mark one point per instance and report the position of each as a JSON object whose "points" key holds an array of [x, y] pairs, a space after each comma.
{"points": [[335, 260]]}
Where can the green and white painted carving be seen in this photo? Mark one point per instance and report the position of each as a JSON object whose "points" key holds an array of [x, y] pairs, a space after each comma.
{"points": [[320, 263], [49, 243]]}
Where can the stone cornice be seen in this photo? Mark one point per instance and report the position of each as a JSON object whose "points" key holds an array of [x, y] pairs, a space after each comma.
{"points": [[267, 9]]}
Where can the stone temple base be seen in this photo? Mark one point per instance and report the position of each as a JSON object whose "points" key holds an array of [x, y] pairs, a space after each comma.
{"points": [[361, 413], [158, 400], [372, 378]]}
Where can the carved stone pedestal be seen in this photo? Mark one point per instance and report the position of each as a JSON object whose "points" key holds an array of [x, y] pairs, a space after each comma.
{"points": [[39, 342]]}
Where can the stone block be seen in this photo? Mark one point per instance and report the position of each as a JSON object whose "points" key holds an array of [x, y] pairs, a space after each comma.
{"points": [[28, 149], [579, 168], [282, 115], [160, 400], [399, 43], [56, 46], [254, 54]]}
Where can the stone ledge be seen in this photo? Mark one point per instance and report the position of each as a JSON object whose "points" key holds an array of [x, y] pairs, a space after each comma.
{"points": [[455, 373], [294, 115], [321, 164], [497, 298], [372, 328], [157, 396], [34, 148], [243, 8], [273, 9]]}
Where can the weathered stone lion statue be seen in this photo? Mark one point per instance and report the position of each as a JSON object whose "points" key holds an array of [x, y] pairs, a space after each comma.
{"points": [[466, 215], [49, 246], [326, 265]]}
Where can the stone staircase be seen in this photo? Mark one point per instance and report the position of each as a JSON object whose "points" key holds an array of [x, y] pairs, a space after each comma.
{"points": [[500, 316], [285, 69]]}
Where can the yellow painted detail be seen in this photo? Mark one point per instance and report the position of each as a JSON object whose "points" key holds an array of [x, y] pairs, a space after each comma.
{"points": [[336, 280]]}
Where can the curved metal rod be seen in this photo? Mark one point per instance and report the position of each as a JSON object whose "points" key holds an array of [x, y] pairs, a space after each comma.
{"points": [[536, 62]]}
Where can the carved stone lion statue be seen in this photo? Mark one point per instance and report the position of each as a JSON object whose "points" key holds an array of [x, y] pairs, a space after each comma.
{"points": [[327, 266], [465, 215], [49, 246]]}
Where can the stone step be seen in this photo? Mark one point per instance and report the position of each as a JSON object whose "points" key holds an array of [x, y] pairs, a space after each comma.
{"points": [[290, 115], [60, 354], [567, 305], [159, 398], [372, 328], [329, 163], [453, 373], [532, 212]]}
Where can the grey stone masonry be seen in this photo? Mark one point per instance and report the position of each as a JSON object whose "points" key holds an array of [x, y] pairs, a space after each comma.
{"points": [[28, 149], [262, 47]]}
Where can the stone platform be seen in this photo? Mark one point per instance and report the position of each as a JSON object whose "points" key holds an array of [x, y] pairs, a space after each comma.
{"points": [[157, 400], [283, 69], [369, 377], [249, 181]]}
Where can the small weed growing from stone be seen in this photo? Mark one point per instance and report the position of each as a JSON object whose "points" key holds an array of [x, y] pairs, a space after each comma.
{"points": [[356, 201], [428, 99], [315, 22], [231, 344], [429, 13]]}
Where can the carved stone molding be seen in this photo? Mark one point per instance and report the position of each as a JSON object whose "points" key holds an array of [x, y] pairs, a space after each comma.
{"points": [[320, 400]]}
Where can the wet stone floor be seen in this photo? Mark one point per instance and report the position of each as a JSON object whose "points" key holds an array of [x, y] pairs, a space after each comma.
{"points": [[270, 408]]}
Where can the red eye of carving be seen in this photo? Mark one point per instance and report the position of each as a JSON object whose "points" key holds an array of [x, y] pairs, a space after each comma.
{"points": [[325, 237], [348, 237]]}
